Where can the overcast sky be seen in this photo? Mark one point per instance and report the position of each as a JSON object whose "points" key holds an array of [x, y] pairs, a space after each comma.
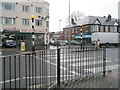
{"points": [[59, 9]]}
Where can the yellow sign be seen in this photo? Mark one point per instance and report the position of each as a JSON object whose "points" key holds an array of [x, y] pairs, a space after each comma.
{"points": [[22, 46]]}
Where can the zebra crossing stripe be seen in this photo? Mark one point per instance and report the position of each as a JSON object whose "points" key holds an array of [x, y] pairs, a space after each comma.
{"points": [[95, 70], [72, 59], [89, 63]]}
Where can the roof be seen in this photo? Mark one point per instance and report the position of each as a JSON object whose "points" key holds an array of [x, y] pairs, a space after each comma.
{"points": [[102, 20], [90, 20]]}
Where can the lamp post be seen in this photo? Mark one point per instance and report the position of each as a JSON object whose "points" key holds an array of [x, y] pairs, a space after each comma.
{"points": [[69, 36], [81, 34], [33, 36], [60, 24]]}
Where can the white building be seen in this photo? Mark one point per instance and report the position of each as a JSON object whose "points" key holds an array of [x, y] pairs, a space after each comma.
{"points": [[15, 20], [119, 10]]}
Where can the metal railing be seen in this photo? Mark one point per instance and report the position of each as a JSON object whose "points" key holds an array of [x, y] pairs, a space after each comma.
{"points": [[79, 62], [44, 69]]}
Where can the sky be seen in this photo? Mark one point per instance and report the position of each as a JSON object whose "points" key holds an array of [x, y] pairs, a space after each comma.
{"points": [[59, 10]]}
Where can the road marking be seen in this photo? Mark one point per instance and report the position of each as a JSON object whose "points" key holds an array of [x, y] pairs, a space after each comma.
{"points": [[75, 73], [116, 59], [37, 77], [56, 65], [109, 49], [95, 70], [74, 59], [89, 63]]}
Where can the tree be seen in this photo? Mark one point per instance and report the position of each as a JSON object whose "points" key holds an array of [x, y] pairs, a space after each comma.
{"points": [[76, 16]]}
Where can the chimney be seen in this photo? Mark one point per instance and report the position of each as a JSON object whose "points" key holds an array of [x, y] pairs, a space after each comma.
{"points": [[109, 17]]}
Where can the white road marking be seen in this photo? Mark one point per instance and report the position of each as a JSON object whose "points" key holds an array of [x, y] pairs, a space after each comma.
{"points": [[88, 63], [37, 77], [95, 70], [73, 59]]}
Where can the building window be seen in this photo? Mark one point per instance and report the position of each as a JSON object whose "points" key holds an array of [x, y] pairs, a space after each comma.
{"points": [[95, 28], [8, 6], [73, 36], [113, 29], [47, 24], [38, 22], [106, 28], [25, 8], [25, 21], [38, 10], [72, 30], [76, 31], [47, 12], [101, 29], [8, 20]]}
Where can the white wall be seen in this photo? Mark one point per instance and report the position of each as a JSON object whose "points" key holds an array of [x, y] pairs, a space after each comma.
{"points": [[119, 10]]}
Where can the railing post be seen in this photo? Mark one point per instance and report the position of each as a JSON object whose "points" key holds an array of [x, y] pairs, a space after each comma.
{"points": [[58, 67], [104, 60]]}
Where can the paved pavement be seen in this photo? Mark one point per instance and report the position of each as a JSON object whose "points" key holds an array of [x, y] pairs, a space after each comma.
{"points": [[111, 80]]}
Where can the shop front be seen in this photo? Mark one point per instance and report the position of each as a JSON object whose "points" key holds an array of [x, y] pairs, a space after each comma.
{"points": [[26, 37]]}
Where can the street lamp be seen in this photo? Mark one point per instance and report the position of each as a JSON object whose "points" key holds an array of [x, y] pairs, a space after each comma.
{"points": [[81, 34], [69, 27], [60, 24], [33, 29]]}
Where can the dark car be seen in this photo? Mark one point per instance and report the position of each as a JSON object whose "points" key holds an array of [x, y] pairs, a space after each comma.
{"points": [[57, 43], [9, 43], [73, 42]]}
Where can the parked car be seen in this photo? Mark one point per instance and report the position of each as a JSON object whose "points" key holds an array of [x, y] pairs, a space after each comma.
{"points": [[56, 43], [73, 42], [59, 43], [65, 41], [9, 43], [52, 42], [62, 43]]}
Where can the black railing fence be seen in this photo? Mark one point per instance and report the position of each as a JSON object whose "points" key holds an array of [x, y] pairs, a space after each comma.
{"points": [[44, 69]]}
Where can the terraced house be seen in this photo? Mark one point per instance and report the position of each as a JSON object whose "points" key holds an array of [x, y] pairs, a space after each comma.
{"points": [[89, 25], [16, 23]]}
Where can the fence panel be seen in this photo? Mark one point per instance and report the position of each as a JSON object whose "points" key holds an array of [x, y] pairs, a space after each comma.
{"points": [[79, 62], [31, 70], [46, 68]]}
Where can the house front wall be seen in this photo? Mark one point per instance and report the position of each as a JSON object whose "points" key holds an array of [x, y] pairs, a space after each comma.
{"points": [[88, 29]]}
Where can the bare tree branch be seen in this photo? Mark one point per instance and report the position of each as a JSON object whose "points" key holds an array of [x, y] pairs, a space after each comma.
{"points": [[75, 16]]}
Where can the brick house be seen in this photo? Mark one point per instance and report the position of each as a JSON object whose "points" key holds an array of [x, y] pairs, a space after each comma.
{"points": [[90, 24]]}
